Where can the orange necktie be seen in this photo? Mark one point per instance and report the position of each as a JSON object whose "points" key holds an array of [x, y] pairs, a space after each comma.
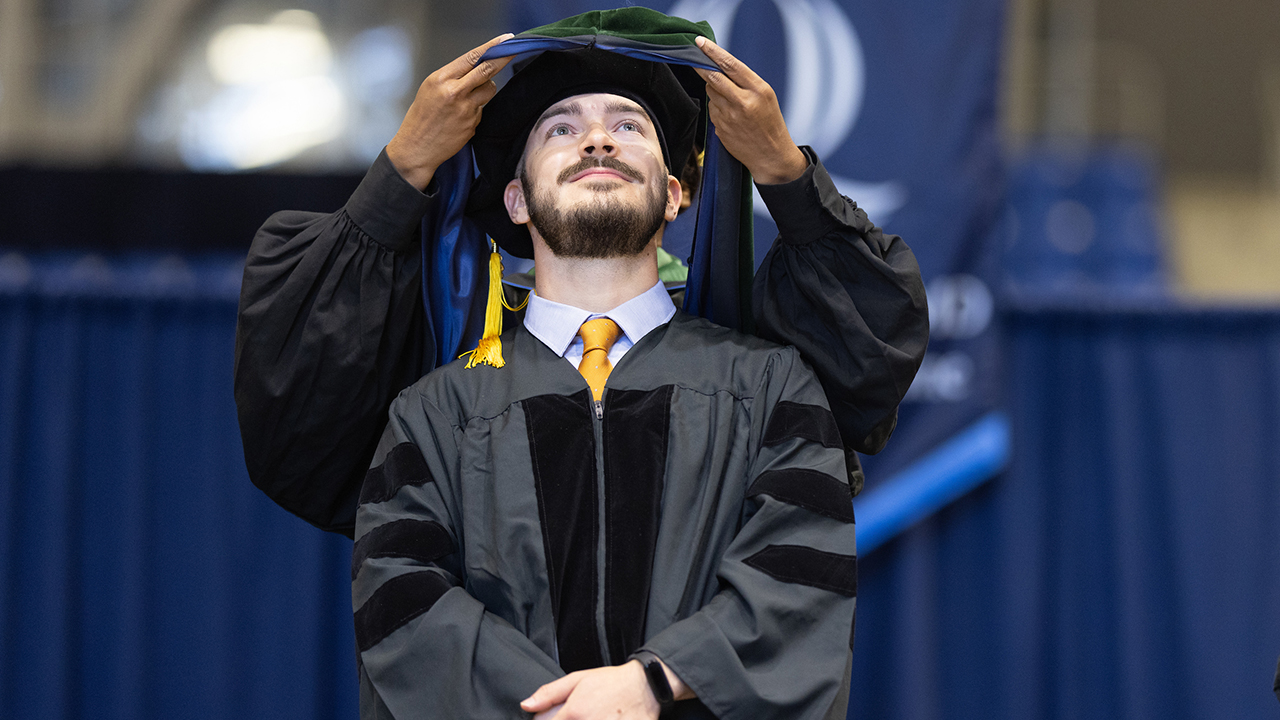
{"points": [[597, 337]]}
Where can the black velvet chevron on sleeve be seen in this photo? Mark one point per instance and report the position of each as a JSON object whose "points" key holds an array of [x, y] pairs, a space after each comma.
{"points": [[812, 490], [798, 420], [403, 466], [808, 566], [421, 540], [398, 601]]}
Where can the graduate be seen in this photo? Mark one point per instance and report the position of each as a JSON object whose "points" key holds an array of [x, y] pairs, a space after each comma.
{"points": [[341, 311], [613, 509]]}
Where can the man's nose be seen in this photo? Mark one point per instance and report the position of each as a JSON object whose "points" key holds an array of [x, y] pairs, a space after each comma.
{"points": [[597, 141]]}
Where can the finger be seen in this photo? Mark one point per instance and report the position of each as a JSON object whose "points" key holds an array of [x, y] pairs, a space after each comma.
{"points": [[485, 71], [706, 74], [483, 94], [719, 88], [723, 108], [732, 67], [464, 63], [549, 714], [553, 693], [718, 84]]}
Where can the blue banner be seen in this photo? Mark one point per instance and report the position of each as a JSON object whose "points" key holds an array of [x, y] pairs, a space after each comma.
{"points": [[899, 101]]}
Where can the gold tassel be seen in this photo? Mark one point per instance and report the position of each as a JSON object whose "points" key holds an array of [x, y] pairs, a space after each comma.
{"points": [[489, 351]]}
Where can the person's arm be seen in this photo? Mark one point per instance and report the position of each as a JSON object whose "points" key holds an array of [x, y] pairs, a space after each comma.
{"points": [[849, 297], [775, 641], [426, 646], [329, 331], [331, 314]]}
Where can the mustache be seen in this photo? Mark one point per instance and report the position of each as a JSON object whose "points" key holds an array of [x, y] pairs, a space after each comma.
{"points": [[588, 163]]}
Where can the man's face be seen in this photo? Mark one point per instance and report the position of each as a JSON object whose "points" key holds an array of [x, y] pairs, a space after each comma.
{"points": [[593, 183]]}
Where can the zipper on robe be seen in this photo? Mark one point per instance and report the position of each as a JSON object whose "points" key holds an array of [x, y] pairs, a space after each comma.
{"points": [[601, 554]]}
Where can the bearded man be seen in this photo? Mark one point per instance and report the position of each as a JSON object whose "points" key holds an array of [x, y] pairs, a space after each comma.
{"points": [[639, 512]]}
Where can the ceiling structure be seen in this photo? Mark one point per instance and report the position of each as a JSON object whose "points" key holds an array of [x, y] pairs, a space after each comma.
{"points": [[318, 85], [90, 83]]}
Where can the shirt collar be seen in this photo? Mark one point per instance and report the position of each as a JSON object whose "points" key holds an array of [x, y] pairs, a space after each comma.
{"points": [[556, 324]]}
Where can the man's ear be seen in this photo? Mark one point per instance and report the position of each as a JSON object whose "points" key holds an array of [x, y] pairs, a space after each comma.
{"points": [[513, 198], [686, 197], [675, 191]]}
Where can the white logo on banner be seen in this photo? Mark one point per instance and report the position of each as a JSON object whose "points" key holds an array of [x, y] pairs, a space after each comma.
{"points": [[960, 306], [826, 81]]}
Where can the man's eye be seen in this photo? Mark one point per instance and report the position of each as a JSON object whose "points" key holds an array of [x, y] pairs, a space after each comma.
{"points": [[630, 127], [559, 130]]}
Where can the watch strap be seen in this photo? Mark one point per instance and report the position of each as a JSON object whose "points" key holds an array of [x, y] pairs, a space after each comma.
{"points": [[657, 678]]}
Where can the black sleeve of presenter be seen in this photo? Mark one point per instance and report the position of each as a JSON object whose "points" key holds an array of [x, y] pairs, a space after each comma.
{"points": [[329, 332], [848, 296]]}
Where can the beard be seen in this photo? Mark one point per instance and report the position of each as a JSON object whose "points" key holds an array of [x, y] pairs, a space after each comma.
{"points": [[606, 227]]}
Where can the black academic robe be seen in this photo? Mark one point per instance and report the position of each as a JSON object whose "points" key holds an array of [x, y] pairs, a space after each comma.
{"points": [[511, 531], [331, 315]]}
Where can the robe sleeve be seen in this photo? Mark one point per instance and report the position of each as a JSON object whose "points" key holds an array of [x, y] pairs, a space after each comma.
{"points": [[775, 641], [329, 331], [426, 646], [848, 296]]}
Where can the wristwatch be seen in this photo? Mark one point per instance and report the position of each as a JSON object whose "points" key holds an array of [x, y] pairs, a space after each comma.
{"points": [[657, 678]]}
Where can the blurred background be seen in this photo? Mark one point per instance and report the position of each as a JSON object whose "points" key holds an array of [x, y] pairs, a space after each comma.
{"points": [[1078, 516]]}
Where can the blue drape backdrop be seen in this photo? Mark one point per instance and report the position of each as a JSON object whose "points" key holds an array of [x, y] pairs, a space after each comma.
{"points": [[141, 574], [1138, 530], [1127, 565]]}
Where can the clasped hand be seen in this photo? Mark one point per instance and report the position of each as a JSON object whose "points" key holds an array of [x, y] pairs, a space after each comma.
{"points": [[618, 692]]}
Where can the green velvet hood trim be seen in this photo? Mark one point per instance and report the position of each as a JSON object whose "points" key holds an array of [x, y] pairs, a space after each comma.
{"points": [[638, 24]]}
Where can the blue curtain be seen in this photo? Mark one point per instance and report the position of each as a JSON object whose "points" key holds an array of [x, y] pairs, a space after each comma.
{"points": [[1141, 517], [1127, 564], [141, 574]]}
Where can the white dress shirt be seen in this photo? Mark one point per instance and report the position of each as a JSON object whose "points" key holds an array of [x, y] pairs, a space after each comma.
{"points": [[556, 324]]}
